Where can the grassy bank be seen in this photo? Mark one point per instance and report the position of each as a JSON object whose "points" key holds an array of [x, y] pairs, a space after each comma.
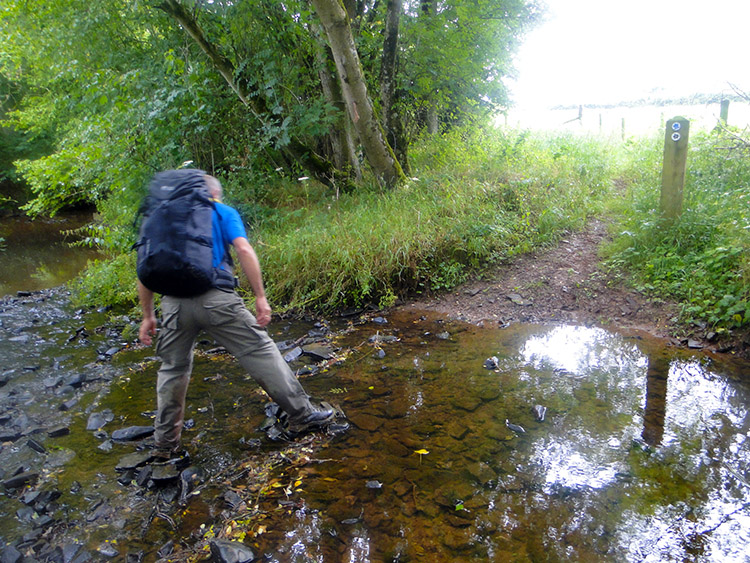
{"points": [[701, 259], [479, 197], [476, 198]]}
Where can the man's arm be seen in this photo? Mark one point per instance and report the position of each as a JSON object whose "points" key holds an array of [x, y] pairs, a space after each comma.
{"points": [[251, 266], [148, 325]]}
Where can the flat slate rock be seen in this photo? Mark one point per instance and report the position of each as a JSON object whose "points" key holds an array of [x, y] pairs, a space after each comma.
{"points": [[20, 480], [318, 352], [223, 551], [134, 460], [166, 472], [132, 433]]}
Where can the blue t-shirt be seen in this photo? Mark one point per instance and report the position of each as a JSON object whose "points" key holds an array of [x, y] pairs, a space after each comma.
{"points": [[227, 226]]}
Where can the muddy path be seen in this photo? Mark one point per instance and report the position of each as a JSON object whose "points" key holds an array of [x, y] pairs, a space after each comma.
{"points": [[567, 284]]}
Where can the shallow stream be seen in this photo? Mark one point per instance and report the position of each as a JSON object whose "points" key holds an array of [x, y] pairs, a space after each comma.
{"points": [[642, 453]]}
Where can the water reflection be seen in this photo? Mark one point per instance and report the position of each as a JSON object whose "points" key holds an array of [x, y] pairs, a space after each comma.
{"points": [[642, 455], [38, 254], [656, 399]]}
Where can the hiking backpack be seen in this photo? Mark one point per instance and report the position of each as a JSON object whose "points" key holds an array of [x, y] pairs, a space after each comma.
{"points": [[175, 245]]}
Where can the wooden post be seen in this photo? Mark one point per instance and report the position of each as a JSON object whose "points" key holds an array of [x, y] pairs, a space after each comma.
{"points": [[724, 112], [673, 168]]}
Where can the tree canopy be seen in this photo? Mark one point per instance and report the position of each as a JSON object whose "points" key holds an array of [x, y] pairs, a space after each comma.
{"points": [[115, 90]]}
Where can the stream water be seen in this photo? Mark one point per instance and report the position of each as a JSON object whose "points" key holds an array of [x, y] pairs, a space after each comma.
{"points": [[642, 453]]}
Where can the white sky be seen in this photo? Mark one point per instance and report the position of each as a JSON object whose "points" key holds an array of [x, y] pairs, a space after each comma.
{"points": [[606, 51]]}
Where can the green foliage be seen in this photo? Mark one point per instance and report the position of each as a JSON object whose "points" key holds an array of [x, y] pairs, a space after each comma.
{"points": [[701, 259], [470, 208], [107, 282]]}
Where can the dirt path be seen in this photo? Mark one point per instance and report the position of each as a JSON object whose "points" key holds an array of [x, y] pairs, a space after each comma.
{"points": [[565, 284]]}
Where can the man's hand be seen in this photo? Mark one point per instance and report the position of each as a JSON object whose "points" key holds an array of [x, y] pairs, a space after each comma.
{"points": [[262, 311], [148, 330]]}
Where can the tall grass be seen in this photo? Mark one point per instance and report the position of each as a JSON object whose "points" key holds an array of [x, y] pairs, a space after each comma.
{"points": [[700, 259], [478, 197]]}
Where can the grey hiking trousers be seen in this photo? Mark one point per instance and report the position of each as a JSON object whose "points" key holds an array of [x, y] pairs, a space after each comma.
{"points": [[223, 315]]}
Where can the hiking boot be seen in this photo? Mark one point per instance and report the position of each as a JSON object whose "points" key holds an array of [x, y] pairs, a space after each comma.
{"points": [[317, 418], [166, 455]]}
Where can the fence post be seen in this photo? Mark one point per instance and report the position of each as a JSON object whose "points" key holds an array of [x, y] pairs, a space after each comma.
{"points": [[673, 168], [724, 111]]}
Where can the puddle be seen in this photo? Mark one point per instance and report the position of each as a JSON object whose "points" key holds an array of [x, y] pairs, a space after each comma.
{"points": [[641, 456]]}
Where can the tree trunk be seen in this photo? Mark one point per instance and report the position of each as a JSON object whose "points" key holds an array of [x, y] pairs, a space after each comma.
{"points": [[377, 151], [344, 155], [391, 124]]}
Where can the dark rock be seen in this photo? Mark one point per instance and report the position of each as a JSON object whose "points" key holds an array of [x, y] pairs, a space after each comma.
{"points": [[233, 500], [169, 493], [515, 427], [101, 510], [134, 557], [251, 443], [107, 550], [132, 433], [21, 479], [382, 338], [44, 521], [51, 554], [30, 497], [190, 478], [106, 446], [10, 554], [70, 550], [36, 446], [82, 557], [50, 382], [539, 412], [163, 473], [491, 363], [126, 477], [44, 502], [25, 514], [58, 431], [4, 379], [9, 435], [67, 405], [223, 551], [98, 419], [318, 352], [166, 549], [293, 354], [75, 380], [144, 476], [134, 460]]}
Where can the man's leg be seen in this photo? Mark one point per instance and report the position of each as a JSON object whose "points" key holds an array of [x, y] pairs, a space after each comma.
{"points": [[175, 350], [235, 328]]}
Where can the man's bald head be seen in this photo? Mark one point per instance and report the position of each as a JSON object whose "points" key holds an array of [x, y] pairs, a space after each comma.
{"points": [[214, 187]]}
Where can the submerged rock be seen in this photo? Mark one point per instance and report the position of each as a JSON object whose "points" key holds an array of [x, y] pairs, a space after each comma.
{"points": [[539, 412], [492, 363], [21, 479], [515, 427], [224, 551], [190, 478]]}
